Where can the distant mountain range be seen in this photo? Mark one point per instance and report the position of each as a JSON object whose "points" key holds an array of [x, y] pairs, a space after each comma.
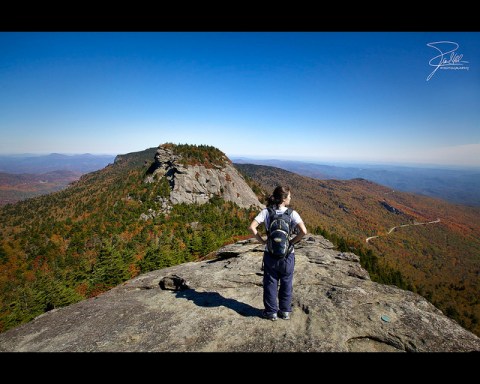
{"points": [[17, 187], [460, 186], [26, 176], [34, 164]]}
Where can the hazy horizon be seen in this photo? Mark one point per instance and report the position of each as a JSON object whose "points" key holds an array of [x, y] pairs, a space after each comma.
{"points": [[337, 163], [347, 163]]}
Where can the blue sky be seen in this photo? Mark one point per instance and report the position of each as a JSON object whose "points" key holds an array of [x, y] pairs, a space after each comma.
{"points": [[325, 96]]}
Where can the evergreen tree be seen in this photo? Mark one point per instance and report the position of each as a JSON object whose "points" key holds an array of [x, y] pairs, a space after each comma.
{"points": [[3, 255], [110, 268], [151, 260]]}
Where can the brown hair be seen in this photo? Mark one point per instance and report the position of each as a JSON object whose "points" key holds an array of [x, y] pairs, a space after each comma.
{"points": [[279, 194]]}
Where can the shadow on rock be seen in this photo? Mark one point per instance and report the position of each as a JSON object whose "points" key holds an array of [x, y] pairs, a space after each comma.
{"points": [[223, 256], [214, 299]]}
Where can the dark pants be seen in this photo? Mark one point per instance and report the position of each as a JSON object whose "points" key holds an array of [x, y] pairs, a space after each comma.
{"points": [[277, 271]]}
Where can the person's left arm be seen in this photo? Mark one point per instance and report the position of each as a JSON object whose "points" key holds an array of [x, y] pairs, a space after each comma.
{"points": [[300, 225], [301, 233]]}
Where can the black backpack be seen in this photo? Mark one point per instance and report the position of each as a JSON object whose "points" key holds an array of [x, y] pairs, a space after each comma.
{"points": [[278, 233]]}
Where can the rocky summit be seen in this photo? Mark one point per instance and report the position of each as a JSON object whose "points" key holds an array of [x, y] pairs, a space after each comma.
{"points": [[216, 305], [196, 183]]}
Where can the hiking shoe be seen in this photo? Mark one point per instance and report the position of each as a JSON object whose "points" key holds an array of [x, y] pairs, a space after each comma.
{"points": [[272, 316], [284, 315]]}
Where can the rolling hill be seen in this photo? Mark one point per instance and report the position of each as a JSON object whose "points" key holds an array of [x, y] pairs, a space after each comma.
{"points": [[458, 186]]}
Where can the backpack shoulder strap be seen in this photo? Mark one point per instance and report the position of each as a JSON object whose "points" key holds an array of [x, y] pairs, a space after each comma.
{"points": [[289, 211], [271, 213]]}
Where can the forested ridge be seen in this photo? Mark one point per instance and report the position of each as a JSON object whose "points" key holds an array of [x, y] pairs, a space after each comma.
{"points": [[440, 261], [74, 244]]}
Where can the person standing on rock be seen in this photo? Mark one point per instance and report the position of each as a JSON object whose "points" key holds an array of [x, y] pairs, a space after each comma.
{"points": [[278, 270]]}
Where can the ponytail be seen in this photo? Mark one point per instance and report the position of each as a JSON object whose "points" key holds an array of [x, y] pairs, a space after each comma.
{"points": [[278, 196]]}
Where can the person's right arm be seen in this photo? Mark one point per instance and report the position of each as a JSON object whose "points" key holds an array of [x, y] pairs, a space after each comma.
{"points": [[253, 228]]}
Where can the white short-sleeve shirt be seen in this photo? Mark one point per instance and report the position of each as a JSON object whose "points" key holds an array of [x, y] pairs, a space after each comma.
{"points": [[263, 217]]}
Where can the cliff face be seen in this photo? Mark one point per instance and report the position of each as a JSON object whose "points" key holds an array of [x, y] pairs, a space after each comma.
{"points": [[197, 183], [336, 307]]}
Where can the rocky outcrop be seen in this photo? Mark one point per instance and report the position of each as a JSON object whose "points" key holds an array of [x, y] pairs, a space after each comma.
{"points": [[215, 305], [389, 208], [197, 183]]}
